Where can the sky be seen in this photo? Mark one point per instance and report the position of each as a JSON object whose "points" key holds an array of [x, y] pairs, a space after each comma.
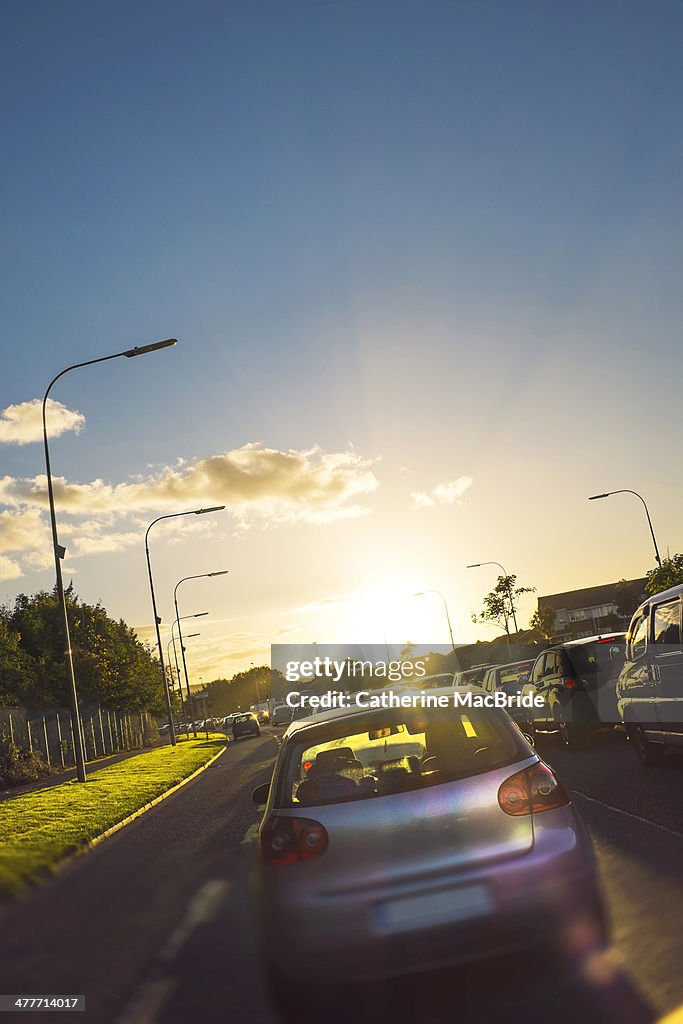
{"points": [[423, 263]]}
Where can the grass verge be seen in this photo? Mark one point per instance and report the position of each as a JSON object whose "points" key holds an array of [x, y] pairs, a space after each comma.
{"points": [[39, 829]]}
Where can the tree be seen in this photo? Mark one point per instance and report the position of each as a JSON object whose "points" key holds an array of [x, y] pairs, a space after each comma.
{"points": [[499, 603], [627, 597], [668, 574], [543, 620]]}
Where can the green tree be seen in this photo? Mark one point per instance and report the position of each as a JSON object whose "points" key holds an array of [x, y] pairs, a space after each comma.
{"points": [[543, 620], [668, 574], [627, 597], [499, 603]]}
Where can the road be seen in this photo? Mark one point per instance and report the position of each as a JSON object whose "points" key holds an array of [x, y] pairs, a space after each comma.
{"points": [[154, 925]]}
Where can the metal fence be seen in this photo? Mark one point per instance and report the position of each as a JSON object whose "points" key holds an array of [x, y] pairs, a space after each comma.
{"points": [[50, 732]]}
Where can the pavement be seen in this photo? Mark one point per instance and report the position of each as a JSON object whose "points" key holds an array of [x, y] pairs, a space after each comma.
{"points": [[154, 925]]}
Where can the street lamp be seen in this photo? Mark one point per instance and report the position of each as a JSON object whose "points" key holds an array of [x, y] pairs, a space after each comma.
{"points": [[60, 551], [197, 615], [625, 490], [477, 565], [421, 593], [157, 620], [201, 576], [258, 692], [175, 655]]}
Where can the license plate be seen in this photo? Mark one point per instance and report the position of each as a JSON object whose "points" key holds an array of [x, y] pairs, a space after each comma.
{"points": [[442, 907]]}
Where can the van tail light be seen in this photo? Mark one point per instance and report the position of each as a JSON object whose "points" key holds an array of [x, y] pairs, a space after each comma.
{"points": [[570, 684], [289, 840], [531, 791]]}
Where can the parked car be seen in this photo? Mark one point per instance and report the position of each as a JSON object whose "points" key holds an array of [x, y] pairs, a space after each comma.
{"points": [[245, 724], [578, 680], [512, 679], [472, 676], [396, 841], [650, 685], [282, 715]]}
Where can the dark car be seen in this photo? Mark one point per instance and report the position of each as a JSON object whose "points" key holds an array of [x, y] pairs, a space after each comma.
{"points": [[512, 679], [578, 681], [245, 725], [650, 685], [282, 715]]}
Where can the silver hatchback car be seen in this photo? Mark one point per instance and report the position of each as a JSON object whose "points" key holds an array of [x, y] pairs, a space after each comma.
{"points": [[401, 840]]}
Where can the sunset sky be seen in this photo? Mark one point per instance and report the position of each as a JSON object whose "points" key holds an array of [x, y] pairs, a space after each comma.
{"points": [[424, 264]]}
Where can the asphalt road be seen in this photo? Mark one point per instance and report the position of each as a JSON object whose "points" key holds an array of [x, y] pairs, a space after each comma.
{"points": [[154, 925]]}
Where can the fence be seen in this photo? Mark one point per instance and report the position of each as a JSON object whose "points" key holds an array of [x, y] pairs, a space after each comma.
{"points": [[50, 732]]}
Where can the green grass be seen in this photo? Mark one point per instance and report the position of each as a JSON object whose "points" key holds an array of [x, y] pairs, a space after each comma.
{"points": [[39, 829]]}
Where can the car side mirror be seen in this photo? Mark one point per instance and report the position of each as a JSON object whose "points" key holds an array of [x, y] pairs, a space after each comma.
{"points": [[523, 679], [260, 794], [529, 739]]}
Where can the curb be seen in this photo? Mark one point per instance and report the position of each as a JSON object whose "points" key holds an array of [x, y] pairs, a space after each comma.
{"points": [[148, 806]]}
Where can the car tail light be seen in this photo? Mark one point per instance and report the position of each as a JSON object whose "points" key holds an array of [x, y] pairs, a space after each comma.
{"points": [[569, 683], [288, 840], [531, 791]]}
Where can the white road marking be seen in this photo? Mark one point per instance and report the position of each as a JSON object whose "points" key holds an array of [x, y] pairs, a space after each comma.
{"points": [[202, 907], [251, 835], [147, 1002], [629, 814], [152, 995]]}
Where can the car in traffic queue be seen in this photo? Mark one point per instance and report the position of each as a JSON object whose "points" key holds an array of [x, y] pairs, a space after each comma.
{"points": [[577, 680], [245, 724], [512, 680], [650, 684], [471, 675], [401, 840], [282, 715]]}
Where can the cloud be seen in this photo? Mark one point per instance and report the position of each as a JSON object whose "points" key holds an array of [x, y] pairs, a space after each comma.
{"points": [[447, 493], [254, 481], [258, 485], [9, 569], [23, 423]]}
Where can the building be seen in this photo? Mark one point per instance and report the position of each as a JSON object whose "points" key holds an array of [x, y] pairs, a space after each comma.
{"points": [[593, 610]]}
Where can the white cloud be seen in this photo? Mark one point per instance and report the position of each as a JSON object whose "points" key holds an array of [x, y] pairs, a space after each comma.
{"points": [[446, 493], [258, 485], [23, 423], [254, 481], [9, 569]]}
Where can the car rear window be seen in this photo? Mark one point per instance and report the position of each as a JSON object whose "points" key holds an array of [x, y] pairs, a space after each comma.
{"points": [[394, 752], [595, 659], [242, 718]]}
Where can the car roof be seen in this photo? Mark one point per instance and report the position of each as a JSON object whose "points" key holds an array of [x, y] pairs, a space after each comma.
{"points": [[336, 714], [663, 595], [617, 635]]}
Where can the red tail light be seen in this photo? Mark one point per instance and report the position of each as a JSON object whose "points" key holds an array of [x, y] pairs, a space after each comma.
{"points": [[288, 840], [570, 684], [531, 791]]}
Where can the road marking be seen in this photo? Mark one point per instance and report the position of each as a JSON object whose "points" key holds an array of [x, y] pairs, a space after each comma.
{"points": [[629, 814], [202, 908], [150, 997], [251, 835]]}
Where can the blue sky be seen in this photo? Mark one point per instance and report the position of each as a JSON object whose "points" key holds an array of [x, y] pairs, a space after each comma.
{"points": [[443, 236]]}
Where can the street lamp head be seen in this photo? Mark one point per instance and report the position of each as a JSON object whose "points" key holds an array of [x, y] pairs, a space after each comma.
{"points": [[142, 350], [223, 572], [198, 615], [475, 565], [594, 497], [190, 635], [203, 511], [419, 593]]}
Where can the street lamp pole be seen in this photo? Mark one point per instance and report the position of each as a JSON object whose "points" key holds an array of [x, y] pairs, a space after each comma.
{"points": [[157, 620], [625, 490], [197, 615], [59, 551], [200, 576], [477, 565], [421, 593]]}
